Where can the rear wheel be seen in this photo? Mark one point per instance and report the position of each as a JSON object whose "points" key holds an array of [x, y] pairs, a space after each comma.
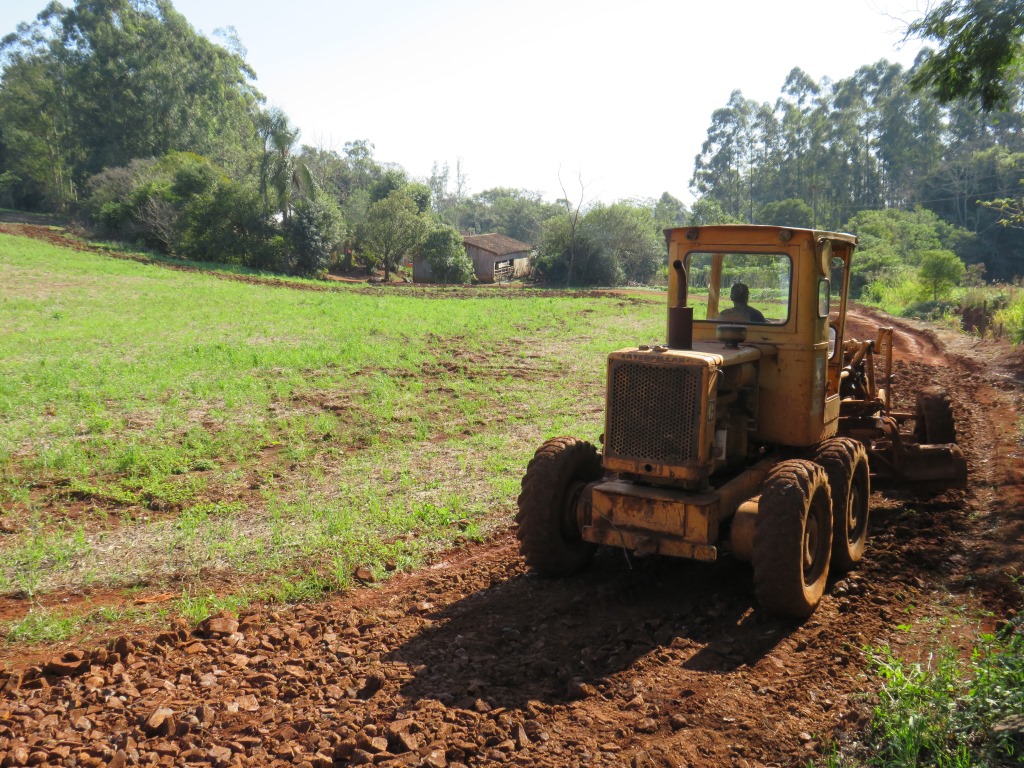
{"points": [[793, 539], [845, 462], [933, 414], [549, 536]]}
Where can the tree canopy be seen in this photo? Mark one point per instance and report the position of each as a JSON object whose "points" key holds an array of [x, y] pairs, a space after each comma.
{"points": [[104, 82], [121, 111], [824, 151], [979, 51]]}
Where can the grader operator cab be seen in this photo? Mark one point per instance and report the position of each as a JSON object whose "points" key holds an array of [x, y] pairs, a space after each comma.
{"points": [[756, 428]]}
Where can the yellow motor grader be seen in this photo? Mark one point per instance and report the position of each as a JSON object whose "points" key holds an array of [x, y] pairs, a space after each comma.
{"points": [[756, 428]]}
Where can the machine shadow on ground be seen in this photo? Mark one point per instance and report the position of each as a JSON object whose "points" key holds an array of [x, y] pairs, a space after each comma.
{"points": [[545, 640]]}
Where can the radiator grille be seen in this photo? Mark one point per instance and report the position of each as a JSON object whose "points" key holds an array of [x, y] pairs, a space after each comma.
{"points": [[653, 413]]}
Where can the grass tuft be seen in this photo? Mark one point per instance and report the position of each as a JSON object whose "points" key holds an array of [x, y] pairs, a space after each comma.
{"points": [[949, 712]]}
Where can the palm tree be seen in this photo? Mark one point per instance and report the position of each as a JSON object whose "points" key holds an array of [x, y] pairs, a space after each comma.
{"points": [[282, 174]]}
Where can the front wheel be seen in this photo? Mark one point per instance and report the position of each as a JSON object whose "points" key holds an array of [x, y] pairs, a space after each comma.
{"points": [[793, 539], [549, 536]]}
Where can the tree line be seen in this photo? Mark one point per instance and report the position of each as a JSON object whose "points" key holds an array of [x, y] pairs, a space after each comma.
{"points": [[121, 112], [826, 151]]}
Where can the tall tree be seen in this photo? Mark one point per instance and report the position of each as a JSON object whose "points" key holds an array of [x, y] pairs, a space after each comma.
{"points": [[283, 176], [796, 110], [626, 234], [106, 81], [979, 50], [721, 169], [36, 122], [668, 212], [393, 230]]}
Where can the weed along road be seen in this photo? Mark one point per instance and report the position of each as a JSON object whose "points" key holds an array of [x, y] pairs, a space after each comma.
{"points": [[467, 659]]}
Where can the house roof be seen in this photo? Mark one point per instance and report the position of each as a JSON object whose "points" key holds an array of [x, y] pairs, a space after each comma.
{"points": [[499, 245]]}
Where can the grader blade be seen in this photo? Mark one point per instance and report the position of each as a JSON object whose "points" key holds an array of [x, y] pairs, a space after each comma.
{"points": [[939, 466]]}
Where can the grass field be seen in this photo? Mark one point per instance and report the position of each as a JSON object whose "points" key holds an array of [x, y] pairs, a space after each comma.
{"points": [[227, 441]]}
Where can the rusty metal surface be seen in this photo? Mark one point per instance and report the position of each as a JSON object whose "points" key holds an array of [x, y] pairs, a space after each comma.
{"points": [[643, 543], [690, 516], [741, 532], [680, 327], [654, 413]]}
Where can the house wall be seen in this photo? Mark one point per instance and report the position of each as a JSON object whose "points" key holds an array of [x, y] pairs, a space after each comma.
{"points": [[484, 261], [421, 271]]}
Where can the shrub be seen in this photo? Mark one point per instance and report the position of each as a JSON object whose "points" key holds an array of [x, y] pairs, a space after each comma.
{"points": [[229, 224], [625, 234], [316, 230], [941, 270], [589, 262], [445, 252]]}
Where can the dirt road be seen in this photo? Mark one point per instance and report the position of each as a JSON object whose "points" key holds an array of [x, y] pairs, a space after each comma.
{"points": [[636, 663]]}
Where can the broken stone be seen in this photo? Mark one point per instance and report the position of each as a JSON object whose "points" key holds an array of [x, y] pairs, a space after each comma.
{"points": [[71, 663], [647, 725], [218, 624], [521, 737], [406, 742], [637, 702], [219, 755], [160, 723], [577, 689]]}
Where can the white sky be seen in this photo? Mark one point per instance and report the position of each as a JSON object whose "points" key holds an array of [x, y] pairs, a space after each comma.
{"points": [[618, 94]]}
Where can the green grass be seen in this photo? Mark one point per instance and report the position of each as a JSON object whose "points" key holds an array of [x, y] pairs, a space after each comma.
{"points": [[158, 426], [944, 712], [47, 626], [903, 295]]}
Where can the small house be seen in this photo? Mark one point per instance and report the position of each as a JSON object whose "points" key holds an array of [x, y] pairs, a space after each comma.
{"points": [[496, 259]]}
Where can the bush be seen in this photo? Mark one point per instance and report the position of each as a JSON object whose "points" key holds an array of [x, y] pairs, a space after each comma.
{"points": [[625, 233], [792, 212], [941, 270], [928, 309], [445, 252], [895, 290], [590, 263], [143, 201], [1011, 316], [229, 224], [315, 231], [113, 186]]}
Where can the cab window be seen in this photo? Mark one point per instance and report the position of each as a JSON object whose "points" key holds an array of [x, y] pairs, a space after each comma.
{"points": [[744, 288]]}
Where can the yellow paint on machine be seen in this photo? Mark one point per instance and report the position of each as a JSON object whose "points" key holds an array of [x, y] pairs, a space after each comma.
{"points": [[653, 520]]}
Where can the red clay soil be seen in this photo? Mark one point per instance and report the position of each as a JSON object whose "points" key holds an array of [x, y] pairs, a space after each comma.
{"points": [[473, 661]]}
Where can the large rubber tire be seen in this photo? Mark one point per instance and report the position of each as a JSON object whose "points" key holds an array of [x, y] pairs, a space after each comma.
{"points": [[793, 539], [549, 536], [933, 414], [845, 462]]}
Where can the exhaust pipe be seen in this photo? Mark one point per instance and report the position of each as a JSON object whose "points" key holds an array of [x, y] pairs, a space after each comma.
{"points": [[680, 316]]}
